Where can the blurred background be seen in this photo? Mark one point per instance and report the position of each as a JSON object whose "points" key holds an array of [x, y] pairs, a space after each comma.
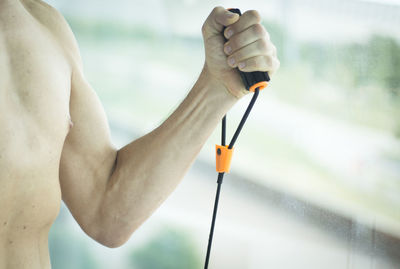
{"points": [[315, 179]]}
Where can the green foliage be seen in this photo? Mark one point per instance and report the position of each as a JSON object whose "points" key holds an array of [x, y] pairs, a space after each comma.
{"points": [[384, 53], [377, 62], [171, 248], [368, 72]]}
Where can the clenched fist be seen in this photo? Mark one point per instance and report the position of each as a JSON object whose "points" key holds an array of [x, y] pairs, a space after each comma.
{"points": [[248, 47]]}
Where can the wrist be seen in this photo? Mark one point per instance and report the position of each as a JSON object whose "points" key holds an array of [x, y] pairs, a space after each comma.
{"points": [[217, 85]]}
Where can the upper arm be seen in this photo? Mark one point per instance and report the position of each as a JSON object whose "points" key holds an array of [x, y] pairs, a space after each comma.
{"points": [[88, 155]]}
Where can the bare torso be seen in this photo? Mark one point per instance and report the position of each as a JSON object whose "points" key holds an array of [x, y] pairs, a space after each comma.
{"points": [[34, 121]]}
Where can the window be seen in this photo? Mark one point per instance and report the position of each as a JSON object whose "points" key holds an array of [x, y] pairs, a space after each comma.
{"points": [[315, 179]]}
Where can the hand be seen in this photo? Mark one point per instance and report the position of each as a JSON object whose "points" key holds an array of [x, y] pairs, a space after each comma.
{"points": [[248, 47]]}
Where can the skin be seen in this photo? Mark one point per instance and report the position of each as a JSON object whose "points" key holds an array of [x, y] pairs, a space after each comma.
{"points": [[54, 138]]}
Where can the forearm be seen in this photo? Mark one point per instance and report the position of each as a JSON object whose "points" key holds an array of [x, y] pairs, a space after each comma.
{"points": [[149, 169]]}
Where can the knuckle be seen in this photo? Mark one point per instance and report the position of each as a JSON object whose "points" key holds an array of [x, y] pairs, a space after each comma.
{"points": [[259, 30], [269, 60], [216, 12], [262, 46], [255, 14], [217, 9]]}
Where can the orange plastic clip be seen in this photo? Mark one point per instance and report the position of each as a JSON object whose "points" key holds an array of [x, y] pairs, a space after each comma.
{"points": [[223, 158]]}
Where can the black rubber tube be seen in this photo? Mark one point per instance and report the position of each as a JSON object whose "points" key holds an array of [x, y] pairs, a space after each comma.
{"points": [[244, 118], [221, 175], [210, 238], [223, 131]]}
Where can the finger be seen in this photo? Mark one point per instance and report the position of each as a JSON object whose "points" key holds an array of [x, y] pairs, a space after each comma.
{"points": [[258, 47], [265, 63], [254, 49], [246, 20], [248, 36], [218, 18]]}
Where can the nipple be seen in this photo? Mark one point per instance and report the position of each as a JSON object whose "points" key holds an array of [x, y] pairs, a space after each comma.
{"points": [[70, 123]]}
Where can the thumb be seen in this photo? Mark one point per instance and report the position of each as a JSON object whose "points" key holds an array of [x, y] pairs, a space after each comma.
{"points": [[215, 22]]}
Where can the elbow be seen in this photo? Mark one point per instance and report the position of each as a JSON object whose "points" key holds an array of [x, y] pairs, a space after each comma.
{"points": [[112, 243], [111, 240], [109, 237]]}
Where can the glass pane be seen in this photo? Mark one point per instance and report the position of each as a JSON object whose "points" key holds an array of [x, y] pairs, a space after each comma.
{"points": [[315, 178]]}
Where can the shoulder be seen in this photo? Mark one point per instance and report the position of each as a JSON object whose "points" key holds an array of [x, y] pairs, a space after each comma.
{"points": [[55, 22]]}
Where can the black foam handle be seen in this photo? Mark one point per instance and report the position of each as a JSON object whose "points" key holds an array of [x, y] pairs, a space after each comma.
{"points": [[249, 78]]}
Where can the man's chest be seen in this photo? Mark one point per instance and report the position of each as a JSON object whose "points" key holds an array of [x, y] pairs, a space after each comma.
{"points": [[34, 79], [34, 94]]}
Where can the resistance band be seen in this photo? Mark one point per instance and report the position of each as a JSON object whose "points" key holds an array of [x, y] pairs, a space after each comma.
{"points": [[254, 82]]}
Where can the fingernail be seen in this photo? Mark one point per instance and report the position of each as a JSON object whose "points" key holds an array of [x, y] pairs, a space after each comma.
{"points": [[231, 61], [242, 65], [229, 33], [228, 49], [231, 15]]}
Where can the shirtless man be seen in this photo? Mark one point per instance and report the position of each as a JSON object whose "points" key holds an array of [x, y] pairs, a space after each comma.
{"points": [[55, 143]]}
